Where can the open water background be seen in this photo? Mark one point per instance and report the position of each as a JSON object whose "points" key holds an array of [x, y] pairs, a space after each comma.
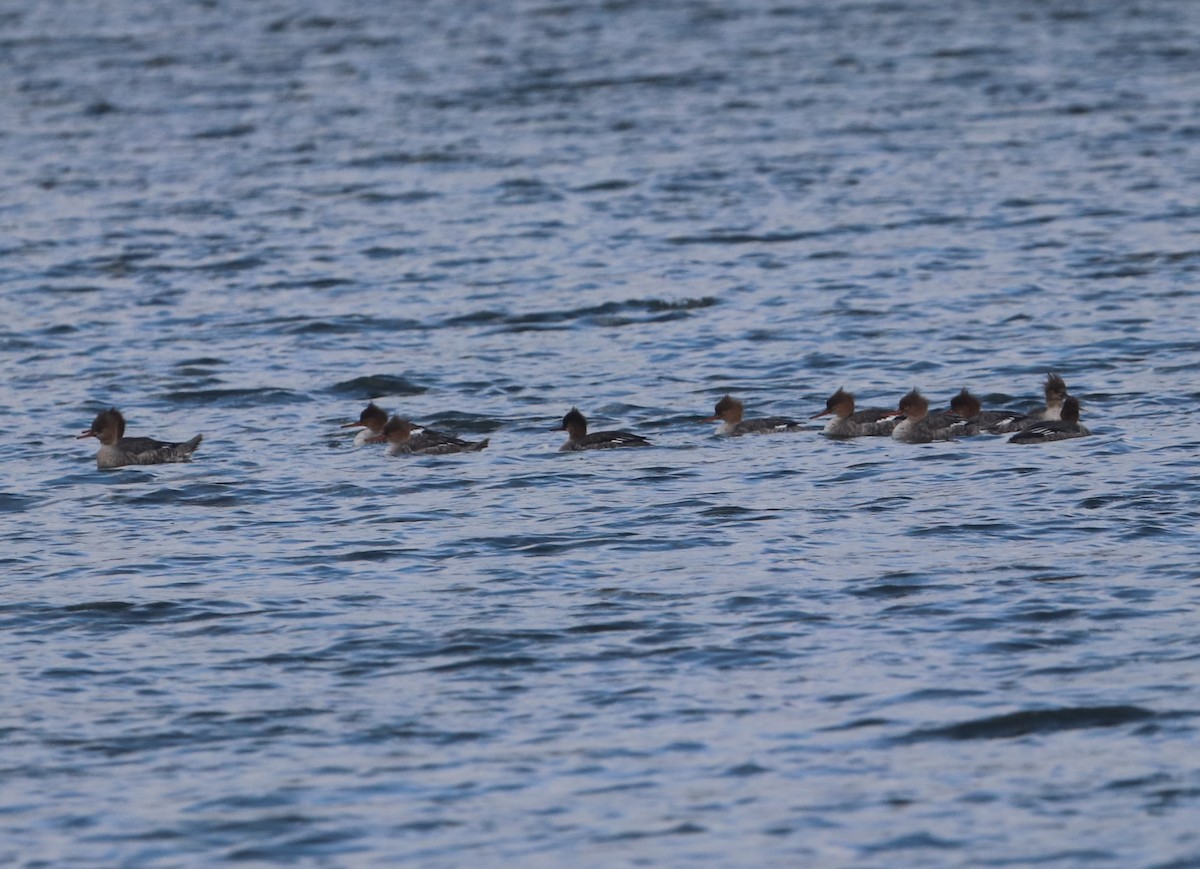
{"points": [[247, 218]]}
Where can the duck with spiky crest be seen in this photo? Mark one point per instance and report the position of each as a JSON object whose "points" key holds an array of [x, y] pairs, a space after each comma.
{"points": [[919, 426], [1055, 389], [1061, 429], [730, 411], [371, 421], [846, 422], [575, 425], [405, 439], [116, 450]]}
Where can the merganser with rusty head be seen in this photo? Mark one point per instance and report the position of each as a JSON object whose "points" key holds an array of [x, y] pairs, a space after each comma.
{"points": [[964, 418], [116, 450], [1055, 389], [372, 421], [967, 405], [730, 411], [918, 425], [975, 419], [404, 438], [1067, 426], [575, 425], [846, 422]]}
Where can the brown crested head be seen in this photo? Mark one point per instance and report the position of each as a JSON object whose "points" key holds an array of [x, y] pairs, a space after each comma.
{"points": [[397, 430], [914, 405], [108, 426], [728, 409], [841, 404], [1070, 409], [372, 418], [965, 404], [574, 424], [1055, 388]]}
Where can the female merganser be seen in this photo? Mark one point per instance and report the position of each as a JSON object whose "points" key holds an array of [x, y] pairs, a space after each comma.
{"points": [[1067, 426], [116, 450], [967, 405], [1056, 395], [1055, 389], [961, 420], [575, 425], [729, 410], [371, 420], [847, 423], [404, 438], [919, 426]]}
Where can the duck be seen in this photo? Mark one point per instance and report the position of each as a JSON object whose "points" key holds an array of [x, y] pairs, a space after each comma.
{"points": [[919, 426], [372, 421], [975, 419], [1061, 429], [1055, 390], [575, 425], [730, 411], [846, 422], [404, 438], [117, 451]]}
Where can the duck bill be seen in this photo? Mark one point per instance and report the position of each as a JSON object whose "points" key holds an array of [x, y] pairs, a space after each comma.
{"points": [[825, 412], [355, 424], [87, 434], [713, 418]]}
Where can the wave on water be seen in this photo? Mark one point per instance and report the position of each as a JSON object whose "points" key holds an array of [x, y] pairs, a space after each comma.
{"points": [[629, 312], [1034, 722], [375, 385], [239, 398]]}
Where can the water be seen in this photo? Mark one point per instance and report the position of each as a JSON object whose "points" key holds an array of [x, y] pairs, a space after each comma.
{"points": [[248, 219]]}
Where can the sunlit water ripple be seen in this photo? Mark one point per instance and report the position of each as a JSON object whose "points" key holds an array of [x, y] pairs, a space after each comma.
{"points": [[246, 220]]}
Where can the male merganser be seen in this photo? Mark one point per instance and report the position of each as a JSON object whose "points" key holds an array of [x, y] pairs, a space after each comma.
{"points": [[371, 420], [1055, 389], [918, 425], [847, 423], [116, 450], [1067, 426], [575, 425], [729, 410], [404, 438]]}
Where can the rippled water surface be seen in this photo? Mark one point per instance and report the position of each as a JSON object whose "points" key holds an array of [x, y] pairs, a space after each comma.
{"points": [[247, 220]]}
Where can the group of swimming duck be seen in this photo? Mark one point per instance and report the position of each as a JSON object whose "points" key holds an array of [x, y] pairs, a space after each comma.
{"points": [[911, 421]]}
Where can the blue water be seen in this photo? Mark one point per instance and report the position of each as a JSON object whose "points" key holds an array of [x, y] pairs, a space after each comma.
{"points": [[248, 219]]}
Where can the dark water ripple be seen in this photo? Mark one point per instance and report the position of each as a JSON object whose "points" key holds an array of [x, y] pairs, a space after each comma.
{"points": [[770, 651]]}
